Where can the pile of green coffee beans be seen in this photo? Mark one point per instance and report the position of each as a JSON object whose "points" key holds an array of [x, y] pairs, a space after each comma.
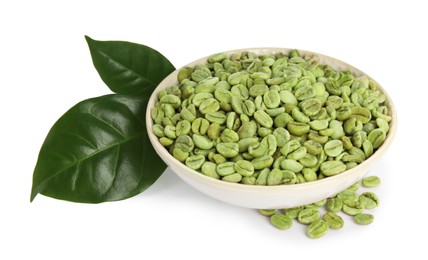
{"points": [[347, 201], [270, 119]]}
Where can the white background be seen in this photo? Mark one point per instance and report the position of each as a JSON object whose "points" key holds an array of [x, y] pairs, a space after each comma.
{"points": [[45, 68]]}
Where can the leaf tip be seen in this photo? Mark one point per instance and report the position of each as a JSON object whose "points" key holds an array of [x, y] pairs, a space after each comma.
{"points": [[88, 39], [33, 195]]}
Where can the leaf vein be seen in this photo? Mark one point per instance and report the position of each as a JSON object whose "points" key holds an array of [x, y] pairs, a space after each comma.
{"points": [[136, 136], [123, 66]]}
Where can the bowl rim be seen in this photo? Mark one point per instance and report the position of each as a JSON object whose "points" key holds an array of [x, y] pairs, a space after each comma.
{"points": [[169, 159]]}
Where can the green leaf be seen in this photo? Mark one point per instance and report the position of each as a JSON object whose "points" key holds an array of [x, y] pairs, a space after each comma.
{"points": [[98, 151], [129, 68]]}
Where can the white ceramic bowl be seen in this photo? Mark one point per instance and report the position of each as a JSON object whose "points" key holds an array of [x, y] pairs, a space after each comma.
{"points": [[265, 197]]}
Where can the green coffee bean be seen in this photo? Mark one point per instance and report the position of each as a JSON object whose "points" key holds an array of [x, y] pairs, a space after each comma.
{"points": [[309, 160], [165, 141], [333, 148], [209, 105], [368, 200], [245, 168], [202, 142], [247, 129], [213, 131], [300, 178], [260, 75], [223, 95], [337, 127], [258, 90], [240, 91], [282, 120], [364, 219], [288, 177], [180, 154], [185, 143], [271, 144], [277, 162], [382, 124], [273, 112], [228, 150], [229, 136], [235, 178], [293, 212], [317, 229], [378, 114], [354, 187], [362, 114], [287, 97], [184, 73], [319, 124], [275, 177], [290, 147], [218, 158], [352, 207], [263, 119], [371, 181], [367, 148], [331, 168], [170, 132], [311, 107], [304, 92], [268, 212], [334, 101], [258, 149], [271, 99], [182, 128], [200, 126], [281, 221], [248, 107], [291, 165], [210, 170], [158, 130], [376, 137], [299, 116], [226, 168], [309, 215], [263, 131], [173, 100], [314, 136], [297, 154], [334, 205], [199, 75], [245, 143], [313, 147], [358, 138], [320, 203], [298, 128], [333, 220], [352, 125], [262, 177], [282, 136], [347, 195], [309, 174], [218, 117], [195, 161], [249, 180], [237, 77], [262, 162], [206, 85], [200, 97], [329, 132], [188, 113]]}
